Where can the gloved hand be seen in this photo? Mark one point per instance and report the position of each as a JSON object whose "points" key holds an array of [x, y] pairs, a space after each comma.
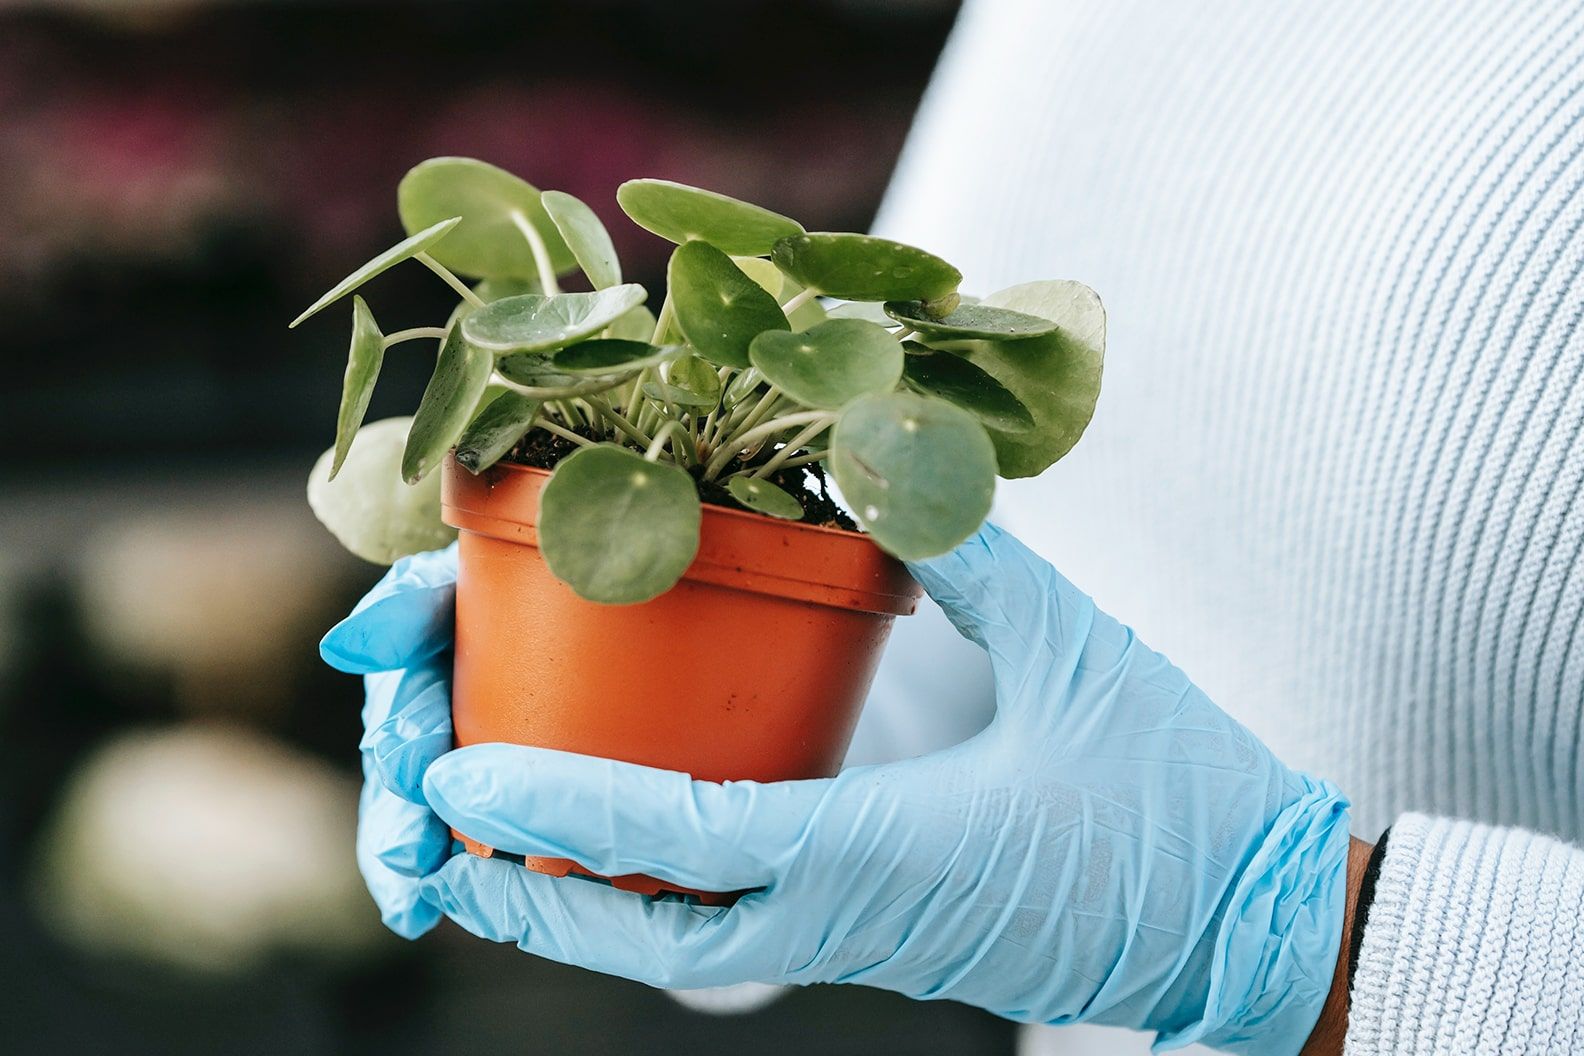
{"points": [[1111, 848]]}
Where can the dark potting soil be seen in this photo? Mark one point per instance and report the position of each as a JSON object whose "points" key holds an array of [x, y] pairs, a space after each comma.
{"points": [[807, 484]]}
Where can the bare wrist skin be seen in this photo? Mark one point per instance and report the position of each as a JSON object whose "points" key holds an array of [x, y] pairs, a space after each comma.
{"points": [[1331, 1028]]}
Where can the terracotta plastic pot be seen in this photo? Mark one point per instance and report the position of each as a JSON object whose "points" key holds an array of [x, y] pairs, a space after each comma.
{"points": [[754, 666]]}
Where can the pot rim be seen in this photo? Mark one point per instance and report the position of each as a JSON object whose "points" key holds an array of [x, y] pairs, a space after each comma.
{"points": [[851, 571]]}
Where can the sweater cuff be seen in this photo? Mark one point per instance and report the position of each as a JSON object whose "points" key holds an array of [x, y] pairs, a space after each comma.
{"points": [[1473, 944]]}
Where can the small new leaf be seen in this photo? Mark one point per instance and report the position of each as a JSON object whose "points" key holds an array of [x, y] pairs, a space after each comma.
{"points": [[403, 250], [495, 430], [364, 357], [698, 376], [585, 236], [761, 496], [461, 373]]}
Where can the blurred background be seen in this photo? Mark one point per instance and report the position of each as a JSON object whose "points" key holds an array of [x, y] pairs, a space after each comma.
{"points": [[177, 769]]}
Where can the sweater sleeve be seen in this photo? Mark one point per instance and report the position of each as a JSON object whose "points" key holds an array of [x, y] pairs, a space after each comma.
{"points": [[1473, 944]]}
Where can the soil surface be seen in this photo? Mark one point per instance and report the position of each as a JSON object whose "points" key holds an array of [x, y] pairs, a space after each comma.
{"points": [[805, 483]]}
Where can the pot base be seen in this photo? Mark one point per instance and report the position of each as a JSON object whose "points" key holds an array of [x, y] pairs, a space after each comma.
{"points": [[637, 883]]}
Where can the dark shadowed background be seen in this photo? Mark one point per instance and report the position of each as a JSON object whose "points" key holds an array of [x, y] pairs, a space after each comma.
{"points": [[177, 770]]}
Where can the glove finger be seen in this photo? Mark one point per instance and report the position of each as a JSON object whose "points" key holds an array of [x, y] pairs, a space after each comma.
{"points": [[660, 942], [416, 729], [615, 818], [999, 593], [384, 822], [403, 621]]}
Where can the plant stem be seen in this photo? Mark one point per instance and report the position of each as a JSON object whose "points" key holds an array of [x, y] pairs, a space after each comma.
{"points": [[550, 427], [625, 427], [706, 428], [568, 411], [663, 322], [450, 280], [541, 255], [414, 334], [757, 414], [904, 332], [672, 431], [791, 447], [746, 439], [803, 460], [635, 394], [547, 392], [798, 301], [637, 407]]}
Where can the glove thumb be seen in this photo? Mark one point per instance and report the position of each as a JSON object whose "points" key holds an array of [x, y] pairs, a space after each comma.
{"points": [[1003, 596]]}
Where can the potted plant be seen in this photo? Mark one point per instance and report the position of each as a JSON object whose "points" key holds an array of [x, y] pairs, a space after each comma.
{"points": [[653, 565]]}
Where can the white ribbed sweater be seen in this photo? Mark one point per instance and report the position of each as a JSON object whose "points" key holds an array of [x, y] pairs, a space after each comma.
{"points": [[1336, 470]]}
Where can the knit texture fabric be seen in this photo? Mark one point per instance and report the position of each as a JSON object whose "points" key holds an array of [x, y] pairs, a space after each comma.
{"points": [[1336, 469], [1473, 944]]}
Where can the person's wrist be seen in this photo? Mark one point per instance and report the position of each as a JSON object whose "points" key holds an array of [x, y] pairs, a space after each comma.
{"points": [[1330, 1029]]}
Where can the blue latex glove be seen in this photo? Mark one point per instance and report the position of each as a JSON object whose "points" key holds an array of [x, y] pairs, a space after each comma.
{"points": [[1113, 847]]}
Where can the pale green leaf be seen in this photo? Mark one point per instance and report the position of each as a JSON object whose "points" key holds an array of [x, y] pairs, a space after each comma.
{"points": [[368, 508]]}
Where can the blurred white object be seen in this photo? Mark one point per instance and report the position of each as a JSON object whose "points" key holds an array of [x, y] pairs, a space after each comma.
{"points": [[195, 592], [205, 848], [730, 1000]]}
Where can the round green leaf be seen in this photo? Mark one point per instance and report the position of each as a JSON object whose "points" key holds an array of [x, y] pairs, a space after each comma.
{"points": [[637, 324], [367, 507], [1057, 376], [970, 321], [537, 369], [585, 236], [831, 364], [866, 310], [363, 367], [604, 355], [461, 373], [617, 528], [495, 430], [679, 213], [657, 390], [763, 272], [864, 268], [408, 247], [918, 472], [487, 243], [761, 496], [718, 308], [698, 376], [958, 381], [491, 290], [806, 315], [742, 387], [535, 322]]}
